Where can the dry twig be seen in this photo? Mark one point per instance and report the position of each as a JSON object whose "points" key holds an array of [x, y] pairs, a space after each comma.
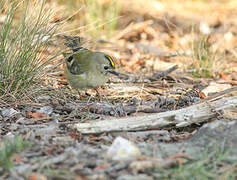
{"points": [[194, 114]]}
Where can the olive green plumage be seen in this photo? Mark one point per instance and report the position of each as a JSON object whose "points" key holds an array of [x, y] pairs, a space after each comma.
{"points": [[86, 69]]}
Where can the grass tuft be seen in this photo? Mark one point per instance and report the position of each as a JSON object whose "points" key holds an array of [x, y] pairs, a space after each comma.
{"points": [[213, 163], [21, 42], [9, 149], [205, 61]]}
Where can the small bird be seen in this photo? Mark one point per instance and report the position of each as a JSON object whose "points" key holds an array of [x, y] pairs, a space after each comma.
{"points": [[86, 69]]}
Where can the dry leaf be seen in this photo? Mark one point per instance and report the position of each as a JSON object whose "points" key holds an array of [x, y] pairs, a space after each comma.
{"points": [[37, 115], [18, 159], [37, 176], [102, 166]]}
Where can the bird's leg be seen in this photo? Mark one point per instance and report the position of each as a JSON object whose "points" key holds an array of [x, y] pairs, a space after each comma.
{"points": [[90, 96], [98, 93], [79, 94], [89, 100]]}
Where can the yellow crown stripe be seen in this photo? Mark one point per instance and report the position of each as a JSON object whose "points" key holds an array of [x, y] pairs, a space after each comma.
{"points": [[111, 60]]}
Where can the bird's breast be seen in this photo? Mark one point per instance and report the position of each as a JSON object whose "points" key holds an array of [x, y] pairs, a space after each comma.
{"points": [[86, 80]]}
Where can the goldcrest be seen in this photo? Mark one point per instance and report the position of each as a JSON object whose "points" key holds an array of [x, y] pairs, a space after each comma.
{"points": [[84, 68]]}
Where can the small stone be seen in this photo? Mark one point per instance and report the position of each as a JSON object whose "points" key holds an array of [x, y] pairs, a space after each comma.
{"points": [[9, 136], [204, 28], [134, 177], [44, 98], [122, 149], [70, 106], [8, 112], [96, 177], [214, 88], [46, 109]]}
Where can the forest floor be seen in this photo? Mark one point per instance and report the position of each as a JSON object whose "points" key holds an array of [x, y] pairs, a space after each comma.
{"points": [[171, 58]]}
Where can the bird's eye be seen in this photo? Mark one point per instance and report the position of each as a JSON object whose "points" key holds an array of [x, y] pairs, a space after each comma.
{"points": [[106, 67], [70, 58]]}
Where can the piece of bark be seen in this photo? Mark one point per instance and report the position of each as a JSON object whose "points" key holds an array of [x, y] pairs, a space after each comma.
{"points": [[194, 114]]}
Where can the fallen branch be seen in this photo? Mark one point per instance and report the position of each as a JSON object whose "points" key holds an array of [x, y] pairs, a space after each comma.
{"points": [[194, 114], [163, 73]]}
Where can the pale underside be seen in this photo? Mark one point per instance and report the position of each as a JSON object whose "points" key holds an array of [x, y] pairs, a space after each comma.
{"points": [[86, 80]]}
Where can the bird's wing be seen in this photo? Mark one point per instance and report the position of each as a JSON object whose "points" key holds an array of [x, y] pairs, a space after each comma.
{"points": [[78, 63]]}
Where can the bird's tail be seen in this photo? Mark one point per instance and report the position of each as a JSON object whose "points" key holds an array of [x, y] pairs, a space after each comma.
{"points": [[74, 42]]}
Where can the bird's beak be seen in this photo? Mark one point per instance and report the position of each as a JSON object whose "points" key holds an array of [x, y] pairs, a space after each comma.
{"points": [[113, 72]]}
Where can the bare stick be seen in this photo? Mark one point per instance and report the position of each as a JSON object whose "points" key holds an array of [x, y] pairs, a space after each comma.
{"points": [[163, 73]]}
